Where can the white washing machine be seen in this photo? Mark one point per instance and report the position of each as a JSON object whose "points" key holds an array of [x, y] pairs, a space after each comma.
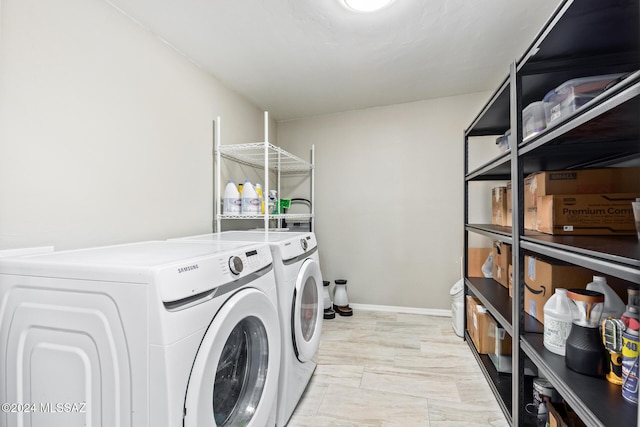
{"points": [[300, 304], [153, 334]]}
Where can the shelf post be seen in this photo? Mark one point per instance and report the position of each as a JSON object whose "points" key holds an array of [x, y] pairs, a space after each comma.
{"points": [[266, 168], [517, 201], [313, 176], [216, 198]]}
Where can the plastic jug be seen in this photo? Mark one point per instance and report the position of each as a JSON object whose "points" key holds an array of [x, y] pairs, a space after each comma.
{"points": [[613, 304], [457, 307], [231, 199], [250, 200], [557, 322]]}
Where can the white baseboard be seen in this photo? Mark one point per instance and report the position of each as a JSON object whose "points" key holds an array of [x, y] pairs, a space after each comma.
{"points": [[407, 310]]}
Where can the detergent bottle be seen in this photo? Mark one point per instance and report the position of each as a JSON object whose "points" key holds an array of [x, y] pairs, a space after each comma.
{"points": [[613, 304], [557, 322], [260, 196], [250, 199], [231, 199]]}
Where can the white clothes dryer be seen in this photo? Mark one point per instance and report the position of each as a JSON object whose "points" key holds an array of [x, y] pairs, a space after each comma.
{"points": [[153, 334], [300, 304]]}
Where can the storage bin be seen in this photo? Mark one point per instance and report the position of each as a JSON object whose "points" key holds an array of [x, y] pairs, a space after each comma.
{"points": [[573, 94], [533, 119], [502, 142]]}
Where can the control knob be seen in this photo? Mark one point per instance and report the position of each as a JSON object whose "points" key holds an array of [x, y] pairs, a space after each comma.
{"points": [[304, 244], [235, 265]]}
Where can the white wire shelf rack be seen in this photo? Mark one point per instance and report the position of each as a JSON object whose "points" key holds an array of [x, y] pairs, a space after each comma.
{"points": [[253, 154], [279, 216]]}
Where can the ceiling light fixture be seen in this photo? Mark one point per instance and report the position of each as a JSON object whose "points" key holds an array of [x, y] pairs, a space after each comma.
{"points": [[366, 5]]}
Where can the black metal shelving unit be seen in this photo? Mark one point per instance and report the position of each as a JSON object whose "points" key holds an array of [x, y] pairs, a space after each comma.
{"points": [[581, 38]]}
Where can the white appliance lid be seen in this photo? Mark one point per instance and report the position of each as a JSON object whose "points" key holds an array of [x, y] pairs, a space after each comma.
{"points": [[249, 236], [130, 262]]}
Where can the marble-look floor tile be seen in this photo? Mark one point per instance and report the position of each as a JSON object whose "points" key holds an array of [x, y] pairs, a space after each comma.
{"points": [[435, 361], [325, 421], [311, 399], [348, 375], [373, 407], [410, 383], [476, 391], [353, 353], [384, 369], [453, 414]]}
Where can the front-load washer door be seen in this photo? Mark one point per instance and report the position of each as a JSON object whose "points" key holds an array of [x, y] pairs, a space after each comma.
{"points": [[234, 378], [306, 314]]}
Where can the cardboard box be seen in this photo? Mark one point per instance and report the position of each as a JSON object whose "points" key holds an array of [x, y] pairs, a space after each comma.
{"points": [[478, 325], [475, 258], [560, 415], [542, 277], [501, 261], [586, 214], [555, 418], [579, 181], [499, 206]]}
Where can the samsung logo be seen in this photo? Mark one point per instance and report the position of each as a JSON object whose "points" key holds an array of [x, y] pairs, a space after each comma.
{"points": [[188, 268]]}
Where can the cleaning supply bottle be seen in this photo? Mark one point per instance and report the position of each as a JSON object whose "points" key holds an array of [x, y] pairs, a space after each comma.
{"points": [[272, 203], [250, 200], [633, 304], [259, 191], [613, 304], [557, 322], [231, 199]]}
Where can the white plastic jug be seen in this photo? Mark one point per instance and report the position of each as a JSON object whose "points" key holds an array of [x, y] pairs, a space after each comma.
{"points": [[457, 307], [250, 200], [231, 199], [613, 304], [557, 322]]}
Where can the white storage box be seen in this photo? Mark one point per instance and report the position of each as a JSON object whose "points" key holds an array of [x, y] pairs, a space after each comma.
{"points": [[573, 94], [533, 119]]}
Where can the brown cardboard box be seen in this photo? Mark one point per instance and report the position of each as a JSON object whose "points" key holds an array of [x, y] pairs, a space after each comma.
{"points": [[587, 214], [499, 206], [501, 261], [501, 340], [509, 221], [542, 277], [555, 419], [478, 325], [579, 181], [475, 258]]}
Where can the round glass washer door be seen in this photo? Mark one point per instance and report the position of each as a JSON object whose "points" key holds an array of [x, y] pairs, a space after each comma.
{"points": [[234, 377], [307, 313]]}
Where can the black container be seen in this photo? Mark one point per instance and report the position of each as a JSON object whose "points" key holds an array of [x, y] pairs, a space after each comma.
{"points": [[585, 352]]}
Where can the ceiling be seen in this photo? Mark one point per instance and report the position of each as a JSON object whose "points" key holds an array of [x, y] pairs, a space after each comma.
{"points": [[299, 58]]}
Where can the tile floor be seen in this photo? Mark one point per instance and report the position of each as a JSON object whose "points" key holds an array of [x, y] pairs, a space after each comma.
{"points": [[392, 369]]}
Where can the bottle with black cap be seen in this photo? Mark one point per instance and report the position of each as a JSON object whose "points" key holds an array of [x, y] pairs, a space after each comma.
{"points": [[340, 299], [328, 310]]}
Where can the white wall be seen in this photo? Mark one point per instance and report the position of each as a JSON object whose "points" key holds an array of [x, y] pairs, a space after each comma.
{"points": [[106, 133], [389, 197]]}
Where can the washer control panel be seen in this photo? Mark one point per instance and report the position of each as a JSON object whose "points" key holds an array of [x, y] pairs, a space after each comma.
{"points": [[211, 271], [247, 261], [299, 244]]}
